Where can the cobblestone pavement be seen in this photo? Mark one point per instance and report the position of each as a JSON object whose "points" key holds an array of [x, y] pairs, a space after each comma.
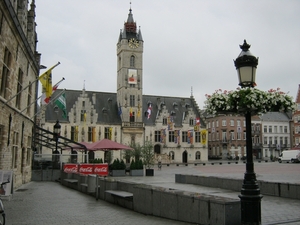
{"points": [[50, 203]]}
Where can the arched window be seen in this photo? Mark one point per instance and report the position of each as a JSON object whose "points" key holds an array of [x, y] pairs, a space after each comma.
{"points": [[198, 155], [132, 61]]}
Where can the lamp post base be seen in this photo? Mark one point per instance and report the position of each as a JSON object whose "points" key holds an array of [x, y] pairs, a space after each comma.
{"points": [[250, 204]]}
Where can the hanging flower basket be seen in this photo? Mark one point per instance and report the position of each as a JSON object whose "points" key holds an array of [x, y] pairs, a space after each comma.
{"points": [[248, 100]]}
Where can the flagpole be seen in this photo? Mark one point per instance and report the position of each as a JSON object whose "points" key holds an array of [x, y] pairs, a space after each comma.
{"points": [[31, 104], [29, 85]]}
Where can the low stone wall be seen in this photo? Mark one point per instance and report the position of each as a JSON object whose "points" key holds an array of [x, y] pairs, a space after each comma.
{"points": [[173, 204], [285, 190]]}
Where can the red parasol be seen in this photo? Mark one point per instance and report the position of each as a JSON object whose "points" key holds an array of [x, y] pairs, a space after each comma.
{"points": [[106, 145]]}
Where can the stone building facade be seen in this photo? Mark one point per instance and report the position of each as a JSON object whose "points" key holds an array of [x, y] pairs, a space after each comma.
{"points": [[19, 69], [173, 124]]}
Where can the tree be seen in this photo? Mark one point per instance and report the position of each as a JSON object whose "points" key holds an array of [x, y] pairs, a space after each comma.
{"points": [[136, 152], [148, 154]]}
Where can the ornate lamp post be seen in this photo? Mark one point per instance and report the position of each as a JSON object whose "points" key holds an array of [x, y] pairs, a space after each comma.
{"points": [[56, 133], [250, 195]]}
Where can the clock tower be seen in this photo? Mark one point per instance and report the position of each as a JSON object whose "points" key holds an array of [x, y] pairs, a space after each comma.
{"points": [[130, 72]]}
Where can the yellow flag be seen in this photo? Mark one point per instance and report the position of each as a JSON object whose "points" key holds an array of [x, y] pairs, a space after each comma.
{"points": [[203, 137], [46, 81], [139, 111]]}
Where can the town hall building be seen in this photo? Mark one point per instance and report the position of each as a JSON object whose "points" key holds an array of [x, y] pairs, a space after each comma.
{"points": [[173, 125]]}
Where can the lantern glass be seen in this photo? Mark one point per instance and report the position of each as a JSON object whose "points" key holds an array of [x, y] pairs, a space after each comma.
{"points": [[246, 76]]}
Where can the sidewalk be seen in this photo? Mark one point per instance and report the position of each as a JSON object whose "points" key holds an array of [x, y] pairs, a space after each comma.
{"points": [[50, 203]]}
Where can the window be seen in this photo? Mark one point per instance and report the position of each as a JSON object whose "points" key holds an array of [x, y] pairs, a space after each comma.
{"points": [[198, 155], [270, 129], [29, 97], [224, 123], [74, 133], [265, 129], [270, 141], [15, 144], [275, 129], [239, 136], [192, 122], [108, 133], [238, 123], [197, 137], [28, 150], [5, 72], [232, 123], [280, 129], [165, 121], [19, 89], [257, 127], [90, 134], [232, 135], [213, 123], [285, 140], [275, 140], [83, 116], [172, 155], [132, 100], [83, 104], [224, 136], [132, 61], [281, 141], [157, 136], [184, 136], [244, 135], [265, 140], [171, 136], [285, 129], [217, 123]]}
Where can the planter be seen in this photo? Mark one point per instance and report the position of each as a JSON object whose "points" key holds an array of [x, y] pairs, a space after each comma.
{"points": [[136, 172], [149, 172], [118, 173]]}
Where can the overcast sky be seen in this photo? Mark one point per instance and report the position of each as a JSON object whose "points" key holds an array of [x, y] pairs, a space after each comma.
{"points": [[189, 43]]}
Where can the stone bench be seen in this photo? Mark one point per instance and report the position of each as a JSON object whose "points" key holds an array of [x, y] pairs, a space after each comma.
{"points": [[121, 194]]}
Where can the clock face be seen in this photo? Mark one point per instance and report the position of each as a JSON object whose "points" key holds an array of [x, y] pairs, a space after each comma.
{"points": [[133, 43]]}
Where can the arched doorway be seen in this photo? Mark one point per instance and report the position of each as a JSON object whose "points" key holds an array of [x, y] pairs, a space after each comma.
{"points": [[184, 157], [157, 149]]}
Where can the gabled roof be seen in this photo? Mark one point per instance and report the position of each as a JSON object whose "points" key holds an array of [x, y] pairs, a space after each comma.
{"points": [[106, 106], [275, 116]]}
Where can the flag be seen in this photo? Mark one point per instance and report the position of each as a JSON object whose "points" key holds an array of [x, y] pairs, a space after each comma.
{"points": [[197, 121], [203, 137], [46, 100], [61, 103], [46, 81], [139, 111], [120, 110], [130, 112], [149, 110]]}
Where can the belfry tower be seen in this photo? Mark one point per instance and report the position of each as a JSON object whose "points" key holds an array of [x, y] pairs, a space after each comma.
{"points": [[130, 74]]}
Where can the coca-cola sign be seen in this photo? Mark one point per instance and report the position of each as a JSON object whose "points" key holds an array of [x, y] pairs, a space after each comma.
{"points": [[101, 169], [86, 168], [70, 168]]}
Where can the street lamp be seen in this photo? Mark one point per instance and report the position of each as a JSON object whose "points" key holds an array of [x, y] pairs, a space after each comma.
{"points": [[250, 195], [56, 133]]}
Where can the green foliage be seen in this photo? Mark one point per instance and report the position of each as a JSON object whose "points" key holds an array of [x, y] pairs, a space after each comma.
{"points": [[148, 154], [97, 160], [136, 165], [136, 152], [118, 165]]}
